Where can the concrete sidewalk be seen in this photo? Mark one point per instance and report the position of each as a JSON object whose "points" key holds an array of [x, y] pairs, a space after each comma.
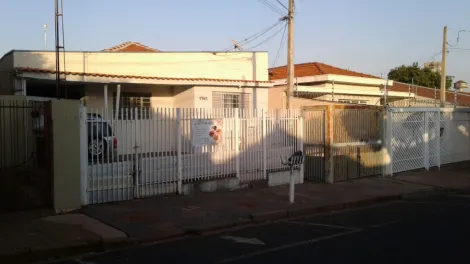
{"points": [[39, 235], [98, 227], [167, 217]]}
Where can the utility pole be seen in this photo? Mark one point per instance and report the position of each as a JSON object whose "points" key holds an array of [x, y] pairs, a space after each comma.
{"points": [[45, 36], [290, 53], [443, 68]]}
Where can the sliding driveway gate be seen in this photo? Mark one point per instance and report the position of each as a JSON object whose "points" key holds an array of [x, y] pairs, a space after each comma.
{"points": [[427, 137], [342, 142]]}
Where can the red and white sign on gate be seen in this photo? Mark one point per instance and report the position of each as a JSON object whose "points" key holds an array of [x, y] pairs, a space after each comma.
{"points": [[206, 132]]}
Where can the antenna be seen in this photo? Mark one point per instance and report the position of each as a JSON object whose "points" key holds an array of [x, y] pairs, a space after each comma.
{"points": [[45, 36], [59, 28]]}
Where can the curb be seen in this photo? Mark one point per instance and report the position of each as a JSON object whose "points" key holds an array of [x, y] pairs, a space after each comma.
{"points": [[312, 210], [62, 252], [207, 229], [101, 246]]}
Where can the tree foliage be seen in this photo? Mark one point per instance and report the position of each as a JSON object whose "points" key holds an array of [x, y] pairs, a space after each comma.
{"points": [[418, 76]]}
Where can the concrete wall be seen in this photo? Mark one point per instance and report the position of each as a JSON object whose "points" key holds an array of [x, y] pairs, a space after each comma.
{"points": [[223, 65], [162, 96], [277, 97], [6, 81], [183, 97], [355, 87], [66, 147], [160, 127], [371, 100], [203, 95], [277, 100], [174, 96]]}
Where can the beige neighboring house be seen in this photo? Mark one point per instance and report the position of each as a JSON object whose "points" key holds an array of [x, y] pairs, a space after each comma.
{"points": [[319, 84], [134, 75]]}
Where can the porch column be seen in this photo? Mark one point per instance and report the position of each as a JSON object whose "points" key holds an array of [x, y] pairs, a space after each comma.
{"points": [[118, 96], [106, 97]]}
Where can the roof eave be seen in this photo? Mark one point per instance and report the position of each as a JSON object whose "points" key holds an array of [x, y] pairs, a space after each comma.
{"points": [[80, 77]]}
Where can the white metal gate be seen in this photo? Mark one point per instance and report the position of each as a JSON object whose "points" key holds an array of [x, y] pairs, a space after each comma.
{"points": [[314, 144], [146, 152], [427, 137]]}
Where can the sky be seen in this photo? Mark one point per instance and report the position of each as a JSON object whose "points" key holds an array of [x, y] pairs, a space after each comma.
{"points": [[369, 36]]}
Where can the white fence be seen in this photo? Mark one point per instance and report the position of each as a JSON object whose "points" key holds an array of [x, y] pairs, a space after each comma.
{"points": [[427, 137], [146, 153], [156, 152]]}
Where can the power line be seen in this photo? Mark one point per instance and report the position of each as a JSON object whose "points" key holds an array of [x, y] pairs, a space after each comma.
{"points": [[272, 7], [281, 45], [458, 37], [429, 58], [268, 39], [433, 57], [459, 49], [282, 5], [255, 36]]}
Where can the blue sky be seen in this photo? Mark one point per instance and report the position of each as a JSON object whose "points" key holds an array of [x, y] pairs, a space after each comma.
{"points": [[369, 36]]}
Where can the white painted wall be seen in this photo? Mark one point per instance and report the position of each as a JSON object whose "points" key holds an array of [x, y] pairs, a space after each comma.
{"points": [[203, 95], [162, 96], [223, 65], [356, 87], [183, 97]]}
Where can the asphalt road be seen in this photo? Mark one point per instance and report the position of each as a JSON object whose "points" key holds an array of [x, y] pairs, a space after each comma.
{"points": [[426, 230]]}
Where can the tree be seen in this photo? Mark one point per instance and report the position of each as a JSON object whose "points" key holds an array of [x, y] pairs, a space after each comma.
{"points": [[418, 76]]}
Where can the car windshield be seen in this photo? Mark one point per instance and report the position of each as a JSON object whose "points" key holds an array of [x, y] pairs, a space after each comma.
{"points": [[100, 128]]}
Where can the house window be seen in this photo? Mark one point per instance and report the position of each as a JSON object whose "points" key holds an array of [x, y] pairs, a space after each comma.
{"points": [[129, 103], [230, 100]]}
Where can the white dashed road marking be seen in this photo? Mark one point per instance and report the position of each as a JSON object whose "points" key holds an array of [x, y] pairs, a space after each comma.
{"points": [[253, 241], [322, 225], [287, 246]]}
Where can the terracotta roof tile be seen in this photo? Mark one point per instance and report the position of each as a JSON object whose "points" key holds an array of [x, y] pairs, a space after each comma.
{"points": [[313, 69], [130, 46], [36, 70], [462, 97]]}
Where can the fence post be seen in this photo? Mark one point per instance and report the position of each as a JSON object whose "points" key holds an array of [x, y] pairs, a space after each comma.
{"points": [[300, 132], [136, 158], [178, 151], [329, 152], [83, 156], [383, 137], [386, 141], [426, 139], [237, 142], [438, 141], [265, 145], [389, 132]]}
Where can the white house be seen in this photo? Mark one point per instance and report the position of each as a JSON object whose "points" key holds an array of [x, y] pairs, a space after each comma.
{"points": [[319, 84], [132, 75]]}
